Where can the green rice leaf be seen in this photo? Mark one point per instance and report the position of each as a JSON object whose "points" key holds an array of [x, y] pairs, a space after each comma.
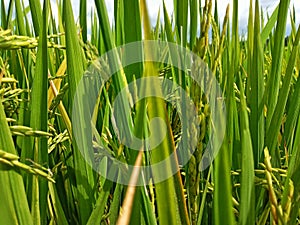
{"points": [[84, 174], [194, 6], [170, 190], [83, 19], [277, 57], [36, 14], [269, 26], [39, 120], [256, 70], [247, 201], [16, 208], [276, 121]]}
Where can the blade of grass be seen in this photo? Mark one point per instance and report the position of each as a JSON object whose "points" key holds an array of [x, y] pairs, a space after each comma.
{"points": [[132, 32], [170, 190], [56, 82], [203, 200], [83, 19], [124, 217], [115, 205], [291, 197], [16, 209], [223, 207], [56, 204], [157, 27], [84, 174], [194, 4], [181, 17], [250, 46], [269, 25], [39, 120], [9, 14], [3, 21], [125, 125], [20, 18], [168, 26], [119, 21], [274, 78], [247, 201], [36, 15], [276, 121], [257, 90], [292, 115], [97, 213]]}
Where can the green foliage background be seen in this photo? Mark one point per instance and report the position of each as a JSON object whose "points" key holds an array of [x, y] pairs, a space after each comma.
{"points": [[45, 180]]}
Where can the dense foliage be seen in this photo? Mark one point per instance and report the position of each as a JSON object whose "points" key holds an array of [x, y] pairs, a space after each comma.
{"points": [[44, 178]]}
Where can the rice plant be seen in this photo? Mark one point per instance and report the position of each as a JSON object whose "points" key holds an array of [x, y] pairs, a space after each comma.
{"points": [[109, 123]]}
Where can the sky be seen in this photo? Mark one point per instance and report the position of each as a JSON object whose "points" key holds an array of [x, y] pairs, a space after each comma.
{"points": [[153, 6]]}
